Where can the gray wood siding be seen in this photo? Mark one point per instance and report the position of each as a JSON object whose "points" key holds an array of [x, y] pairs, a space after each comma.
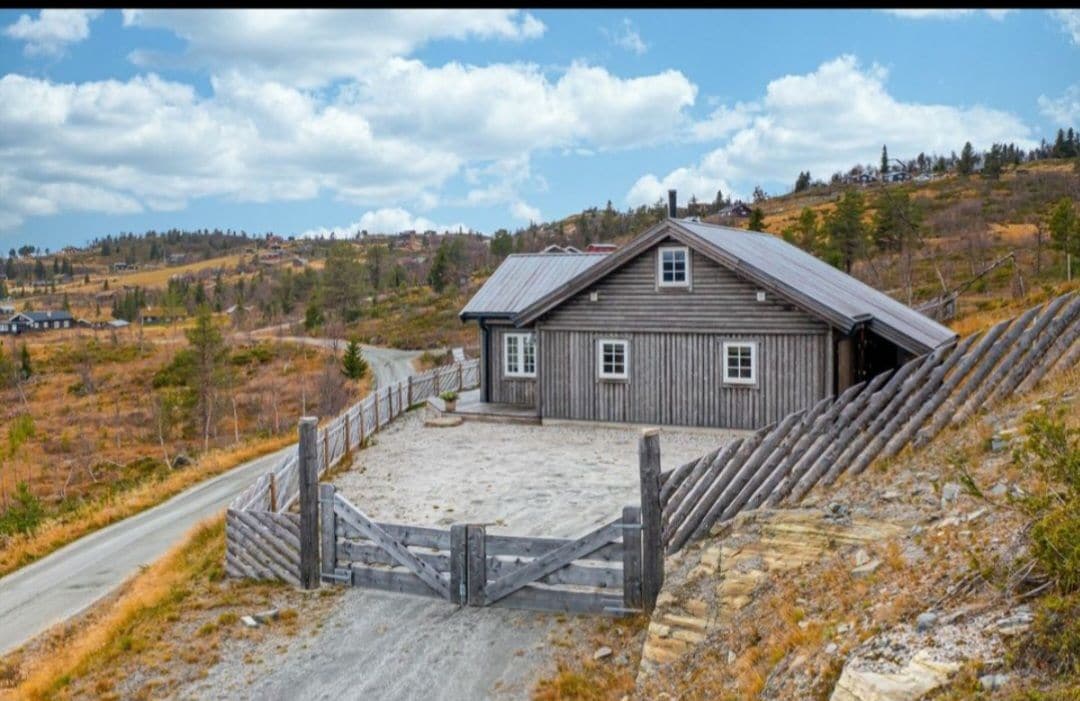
{"points": [[509, 390], [676, 379], [718, 301]]}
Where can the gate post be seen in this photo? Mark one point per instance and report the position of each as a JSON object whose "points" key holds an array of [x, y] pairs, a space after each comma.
{"points": [[631, 535], [652, 566], [328, 529], [459, 564], [308, 467], [476, 578]]}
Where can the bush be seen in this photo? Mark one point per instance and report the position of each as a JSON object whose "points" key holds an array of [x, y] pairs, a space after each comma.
{"points": [[449, 396], [24, 514]]}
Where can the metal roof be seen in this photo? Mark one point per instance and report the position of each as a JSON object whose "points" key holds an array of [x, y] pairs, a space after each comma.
{"points": [[815, 281], [522, 279], [47, 316], [774, 264]]}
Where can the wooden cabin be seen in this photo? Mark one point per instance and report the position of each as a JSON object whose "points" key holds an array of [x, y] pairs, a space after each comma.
{"points": [[690, 324]]}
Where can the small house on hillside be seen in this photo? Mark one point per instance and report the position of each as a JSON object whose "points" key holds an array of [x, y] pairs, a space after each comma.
{"points": [[40, 321], [688, 324]]}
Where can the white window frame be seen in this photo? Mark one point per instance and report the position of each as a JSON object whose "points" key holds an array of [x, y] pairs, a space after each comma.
{"points": [[660, 266], [753, 346], [522, 339], [600, 374]]}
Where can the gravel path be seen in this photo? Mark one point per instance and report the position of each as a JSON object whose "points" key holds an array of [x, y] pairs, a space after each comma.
{"points": [[525, 480]]}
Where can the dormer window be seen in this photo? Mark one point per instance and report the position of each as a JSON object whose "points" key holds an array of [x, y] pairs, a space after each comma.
{"points": [[673, 267]]}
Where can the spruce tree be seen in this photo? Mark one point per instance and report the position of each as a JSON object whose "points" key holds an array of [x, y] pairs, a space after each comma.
{"points": [[353, 364]]}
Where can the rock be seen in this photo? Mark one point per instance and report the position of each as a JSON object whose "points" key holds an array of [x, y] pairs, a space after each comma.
{"points": [[989, 682], [861, 557], [731, 657], [925, 621], [443, 421], [1015, 623], [891, 495], [921, 675], [837, 512], [266, 616], [843, 628], [949, 493], [249, 621], [602, 653], [622, 660], [182, 460], [831, 648], [1000, 489], [866, 570]]}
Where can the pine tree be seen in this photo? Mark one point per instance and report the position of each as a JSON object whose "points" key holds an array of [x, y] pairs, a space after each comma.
{"points": [[757, 220], [884, 160], [25, 368], [846, 230], [966, 164], [209, 353], [353, 364], [1064, 225]]}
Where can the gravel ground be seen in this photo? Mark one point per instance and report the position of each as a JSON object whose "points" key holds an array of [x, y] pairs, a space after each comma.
{"points": [[525, 480]]}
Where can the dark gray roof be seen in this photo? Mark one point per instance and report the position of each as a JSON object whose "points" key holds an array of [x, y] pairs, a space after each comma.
{"points": [[47, 316], [522, 279], [819, 285], [780, 267]]}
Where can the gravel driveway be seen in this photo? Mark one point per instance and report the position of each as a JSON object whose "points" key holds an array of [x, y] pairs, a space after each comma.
{"points": [[525, 480]]}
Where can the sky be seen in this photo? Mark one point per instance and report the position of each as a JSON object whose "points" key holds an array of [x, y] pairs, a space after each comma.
{"points": [[312, 122]]}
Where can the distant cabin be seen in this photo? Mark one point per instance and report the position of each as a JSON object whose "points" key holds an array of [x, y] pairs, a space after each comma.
{"points": [[39, 321], [690, 324]]}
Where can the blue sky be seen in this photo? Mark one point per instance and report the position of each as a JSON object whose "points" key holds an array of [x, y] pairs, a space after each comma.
{"points": [[305, 123]]}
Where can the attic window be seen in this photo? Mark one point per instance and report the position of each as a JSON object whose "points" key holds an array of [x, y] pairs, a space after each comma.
{"points": [[673, 267]]}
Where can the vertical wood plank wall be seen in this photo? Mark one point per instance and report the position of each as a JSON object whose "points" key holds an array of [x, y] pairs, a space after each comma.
{"points": [[677, 379], [508, 390]]}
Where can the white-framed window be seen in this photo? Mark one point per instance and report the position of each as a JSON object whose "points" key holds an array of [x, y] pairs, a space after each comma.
{"points": [[612, 359], [519, 355], [673, 266], [740, 363]]}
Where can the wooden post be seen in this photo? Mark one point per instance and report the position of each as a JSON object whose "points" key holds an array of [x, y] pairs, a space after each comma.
{"points": [[273, 492], [401, 406], [376, 428], [435, 373], [326, 448], [361, 422], [652, 565], [460, 378], [348, 433], [476, 578], [459, 565], [308, 467], [410, 391], [328, 529], [631, 535]]}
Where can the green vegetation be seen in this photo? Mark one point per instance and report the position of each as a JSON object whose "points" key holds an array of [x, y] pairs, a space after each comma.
{"points": [[353, 364]]}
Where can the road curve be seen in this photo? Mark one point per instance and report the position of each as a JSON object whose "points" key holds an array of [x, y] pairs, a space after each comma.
{"points": [[68, 581], [390, 365]]}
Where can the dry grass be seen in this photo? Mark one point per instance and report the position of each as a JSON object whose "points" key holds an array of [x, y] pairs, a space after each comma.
{"points": [[159, 277], [578, 676], [168, 624], [91, 516]]}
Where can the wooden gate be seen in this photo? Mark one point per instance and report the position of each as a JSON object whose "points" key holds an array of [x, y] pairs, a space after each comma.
{"points": [[597, 573]]}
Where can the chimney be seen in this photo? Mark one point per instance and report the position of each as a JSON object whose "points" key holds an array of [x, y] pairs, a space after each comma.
{"points": [[672, 210]]}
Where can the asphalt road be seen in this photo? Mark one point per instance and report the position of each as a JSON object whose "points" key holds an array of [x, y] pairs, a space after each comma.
{"points": [[49, 591], [390, 365]]}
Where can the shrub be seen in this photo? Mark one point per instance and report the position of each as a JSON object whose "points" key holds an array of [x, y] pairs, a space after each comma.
{"points": [[449, 396], [24, 514]]}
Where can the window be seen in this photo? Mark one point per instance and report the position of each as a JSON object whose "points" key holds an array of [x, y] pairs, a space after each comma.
{"points": [[740, 363], [673, 267], [612, 359], [519, 352]]}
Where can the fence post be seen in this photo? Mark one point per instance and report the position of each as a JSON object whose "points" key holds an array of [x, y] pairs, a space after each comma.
{"points": [[273, 492], [328, 529], [435, 373], [348, 432], [400, 400], [476, 578], [652, 566], [326, 448], [459, 565], [376, 395], [308, 467], [631, 534], [410, 391], [460, 378]]}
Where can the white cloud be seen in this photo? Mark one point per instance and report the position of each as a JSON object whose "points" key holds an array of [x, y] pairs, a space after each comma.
{"points": [[1070, 23], [312, 47], [1064, 110], [52, 31], [382, 221], [936, 13], [829, 120], [524, 211], [627, 37]]}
